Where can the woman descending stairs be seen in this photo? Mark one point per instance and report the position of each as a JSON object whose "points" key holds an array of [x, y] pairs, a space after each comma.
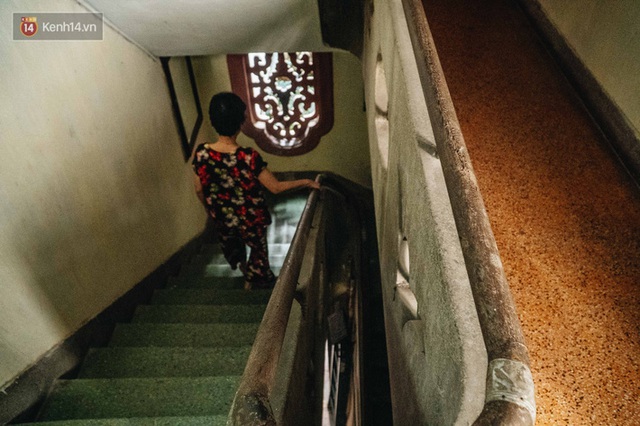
{"points": [[180, 359]]}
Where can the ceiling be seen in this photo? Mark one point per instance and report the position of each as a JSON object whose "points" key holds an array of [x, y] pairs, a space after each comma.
{"points": [[208, 27]]}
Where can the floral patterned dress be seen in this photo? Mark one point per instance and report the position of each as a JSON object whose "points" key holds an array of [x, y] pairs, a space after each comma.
{"points": [[234, 198]]}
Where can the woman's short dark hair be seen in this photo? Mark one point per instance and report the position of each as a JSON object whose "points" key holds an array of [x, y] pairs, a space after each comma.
{"points": [[226, 112]]}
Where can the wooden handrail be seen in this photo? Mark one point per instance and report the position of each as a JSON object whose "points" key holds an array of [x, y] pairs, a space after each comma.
{"points": [[510, 393], [251, 405]]}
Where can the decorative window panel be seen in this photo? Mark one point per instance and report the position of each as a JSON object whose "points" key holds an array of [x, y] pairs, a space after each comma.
{"points": [[289, 98]]}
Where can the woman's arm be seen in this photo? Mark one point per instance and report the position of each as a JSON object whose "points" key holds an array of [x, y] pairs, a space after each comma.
{"points": [[275, 186]]}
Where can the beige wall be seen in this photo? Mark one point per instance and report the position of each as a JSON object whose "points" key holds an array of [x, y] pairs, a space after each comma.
{"points": [[344, 150], [604, 35], [94, 190]]}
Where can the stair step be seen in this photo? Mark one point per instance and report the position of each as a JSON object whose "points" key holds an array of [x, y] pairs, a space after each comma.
{"points": [[211, 283], [220, 283], [155, 397], [199, 314], [183, 335], [276, 252], [222, 271], [127, 362], [219, 420], [214, 252], [208, 271], [182, 296], [208, 256]]}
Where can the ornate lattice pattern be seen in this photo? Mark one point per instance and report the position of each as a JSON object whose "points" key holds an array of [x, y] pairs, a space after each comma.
{"points": [[289, 98]]}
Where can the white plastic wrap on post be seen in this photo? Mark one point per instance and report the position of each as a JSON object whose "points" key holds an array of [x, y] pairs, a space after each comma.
{"points": [[511, 381]]}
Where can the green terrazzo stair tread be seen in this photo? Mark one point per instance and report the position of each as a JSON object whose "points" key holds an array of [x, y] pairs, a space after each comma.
{"points": [[218, 420], [196, 296], [196, 271], [155, 397], [222, 271], [214, 251], [206, 257], [183, 335], [199, 314], [220, 283], [276, 252], [215, 270], [129, 362]]}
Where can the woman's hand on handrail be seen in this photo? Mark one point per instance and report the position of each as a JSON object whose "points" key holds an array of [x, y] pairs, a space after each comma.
{"points": [[312, 184], [276, 186]]}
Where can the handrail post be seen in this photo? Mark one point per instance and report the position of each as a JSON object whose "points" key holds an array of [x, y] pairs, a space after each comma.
{"points": [[510, 393]]}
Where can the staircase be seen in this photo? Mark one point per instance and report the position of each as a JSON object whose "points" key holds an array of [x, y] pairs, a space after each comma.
{"points": [[180, 359]]}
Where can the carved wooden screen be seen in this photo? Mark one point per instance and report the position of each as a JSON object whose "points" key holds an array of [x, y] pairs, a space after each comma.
{"points": [[289, 98]]}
